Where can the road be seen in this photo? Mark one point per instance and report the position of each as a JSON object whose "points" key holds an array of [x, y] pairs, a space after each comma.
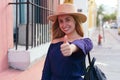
{"points": [[108, 54]]}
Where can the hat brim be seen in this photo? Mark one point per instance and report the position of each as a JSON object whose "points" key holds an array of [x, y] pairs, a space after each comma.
{"points": [[80, 16]]}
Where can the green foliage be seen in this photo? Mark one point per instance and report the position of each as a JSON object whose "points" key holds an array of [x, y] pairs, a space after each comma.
{"points": [[99, 12], [106, 17], [113, 16], [109, 17]]}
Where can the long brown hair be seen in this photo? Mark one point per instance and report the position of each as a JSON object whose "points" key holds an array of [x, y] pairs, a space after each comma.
{"points": [[57, 33]]}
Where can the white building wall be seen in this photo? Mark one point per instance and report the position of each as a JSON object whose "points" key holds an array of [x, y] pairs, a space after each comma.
{"points": [[83, 5], [61, 1]]}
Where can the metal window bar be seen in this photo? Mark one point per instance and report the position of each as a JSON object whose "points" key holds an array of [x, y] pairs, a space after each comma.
{"points": [[16, 25], [43, 28], [32, 35], [27, 27]]}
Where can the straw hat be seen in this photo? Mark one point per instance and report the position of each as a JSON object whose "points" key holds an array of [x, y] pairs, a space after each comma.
{"points": [[69, 9]]}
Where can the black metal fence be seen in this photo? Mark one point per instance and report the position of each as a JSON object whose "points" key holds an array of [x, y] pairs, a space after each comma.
{"points": [[31, 25]]}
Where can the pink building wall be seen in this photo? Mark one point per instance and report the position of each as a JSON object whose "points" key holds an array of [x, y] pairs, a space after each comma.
{"points": [[6, 42], [6, 32]]}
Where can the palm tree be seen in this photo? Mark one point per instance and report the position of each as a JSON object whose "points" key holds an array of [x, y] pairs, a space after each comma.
{"points": [[99, 12]]}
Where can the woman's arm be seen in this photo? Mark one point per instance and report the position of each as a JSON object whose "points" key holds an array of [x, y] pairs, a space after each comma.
{"points": [[83, 44]]}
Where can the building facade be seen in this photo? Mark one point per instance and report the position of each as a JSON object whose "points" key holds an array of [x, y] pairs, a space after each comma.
{"points": [[12, 17], [92, 15], [6, 30]]}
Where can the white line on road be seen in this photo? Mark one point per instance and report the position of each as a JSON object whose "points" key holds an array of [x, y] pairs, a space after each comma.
{"points": [[101, 63]]}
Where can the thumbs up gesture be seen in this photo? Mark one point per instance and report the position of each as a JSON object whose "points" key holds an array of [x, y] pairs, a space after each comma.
{"points": [[66, 47]]}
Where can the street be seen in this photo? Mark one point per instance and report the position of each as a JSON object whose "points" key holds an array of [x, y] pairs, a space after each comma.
{"points": [[108, 53]]}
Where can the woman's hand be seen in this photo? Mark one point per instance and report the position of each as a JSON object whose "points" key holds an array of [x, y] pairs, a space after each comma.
{"points": [[66, 48]]}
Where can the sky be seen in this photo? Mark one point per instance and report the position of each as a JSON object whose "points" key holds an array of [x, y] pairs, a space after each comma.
{"points": [[109, 5]]}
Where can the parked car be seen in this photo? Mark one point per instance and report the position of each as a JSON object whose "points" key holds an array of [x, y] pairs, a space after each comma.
{"points": [[113, 25], [106, 25]]}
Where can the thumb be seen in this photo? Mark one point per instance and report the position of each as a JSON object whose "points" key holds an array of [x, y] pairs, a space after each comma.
{"points": [[65, 39]]}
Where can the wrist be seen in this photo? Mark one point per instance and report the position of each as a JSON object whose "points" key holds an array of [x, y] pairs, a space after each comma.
{"points": [[73, 48]]}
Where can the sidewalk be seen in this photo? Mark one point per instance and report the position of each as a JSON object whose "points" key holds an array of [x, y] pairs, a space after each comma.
{"points": [[32, 73], [34, 69]]}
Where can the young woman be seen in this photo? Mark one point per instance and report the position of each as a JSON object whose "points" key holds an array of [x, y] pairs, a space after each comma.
{"points": [[66, 55]]}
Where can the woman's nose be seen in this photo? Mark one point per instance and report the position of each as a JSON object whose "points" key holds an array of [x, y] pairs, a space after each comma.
{"points": [[64, 24]]}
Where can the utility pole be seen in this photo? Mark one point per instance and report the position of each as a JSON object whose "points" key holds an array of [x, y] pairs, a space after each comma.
{"points": [[118, 12], [118, 15], [99, 35]]}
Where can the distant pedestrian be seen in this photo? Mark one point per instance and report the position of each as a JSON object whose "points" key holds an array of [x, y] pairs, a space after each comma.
{"points": [[65, 59]]}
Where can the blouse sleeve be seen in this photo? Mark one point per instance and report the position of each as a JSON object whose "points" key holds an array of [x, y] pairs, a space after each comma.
{"points": [[84, 44], [46, 73]]}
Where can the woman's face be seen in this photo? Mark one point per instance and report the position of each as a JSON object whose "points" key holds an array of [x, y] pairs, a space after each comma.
{"points": [[66, 24]]}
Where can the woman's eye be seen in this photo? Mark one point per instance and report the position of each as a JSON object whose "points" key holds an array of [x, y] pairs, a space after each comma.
{"points": [[67, 19], [60, 21]]}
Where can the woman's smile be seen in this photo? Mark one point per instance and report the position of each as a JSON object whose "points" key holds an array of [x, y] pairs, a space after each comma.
{"points": [[66, 28]]}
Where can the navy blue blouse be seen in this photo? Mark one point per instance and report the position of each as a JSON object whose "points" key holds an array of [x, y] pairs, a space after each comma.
{"points": [[59, 67]]}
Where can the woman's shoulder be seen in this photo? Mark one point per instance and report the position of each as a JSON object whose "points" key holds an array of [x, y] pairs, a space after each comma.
{"points": [[83, 39], [88, 39]]}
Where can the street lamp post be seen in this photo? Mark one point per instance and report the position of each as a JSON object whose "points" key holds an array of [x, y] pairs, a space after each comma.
{"points": [[118, 16], [99, 35]]}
